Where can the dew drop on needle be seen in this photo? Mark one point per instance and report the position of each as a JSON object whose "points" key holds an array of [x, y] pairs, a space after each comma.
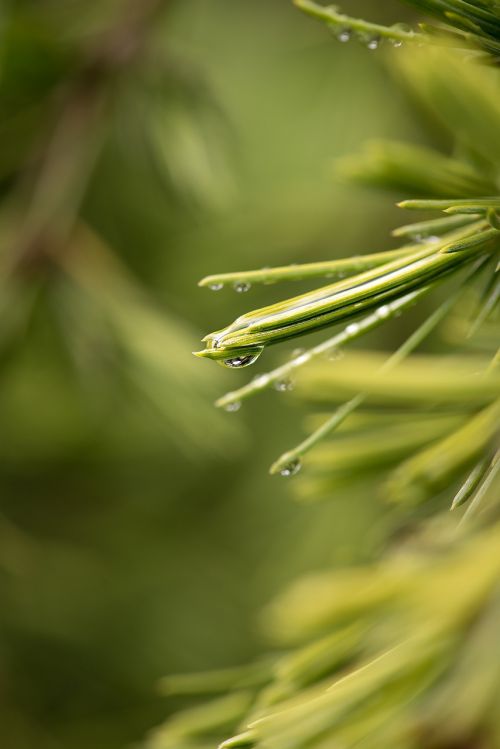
{"points": [[241, 361], [232, 406], [373, 43], [291, 468], [343, 35], [335, 354], [241, 286], [284, 385]]}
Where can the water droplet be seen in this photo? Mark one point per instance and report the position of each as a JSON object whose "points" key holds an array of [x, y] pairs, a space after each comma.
{"points": [[426, 239], [352, 329], [241, 286], [284, 385], [343, 35], [244, 360], [232, 406], [396, 43], [216, 286], [335, 354], [384, 312], [297, 352], [373, 42], [291, 468], [418, 237]]}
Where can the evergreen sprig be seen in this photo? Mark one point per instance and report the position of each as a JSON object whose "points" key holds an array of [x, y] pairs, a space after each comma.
{"points": [[460, 247], [464, 24], [401, 653]]}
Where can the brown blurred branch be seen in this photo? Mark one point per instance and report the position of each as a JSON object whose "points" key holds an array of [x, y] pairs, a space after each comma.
{"points": [[67, 161]]}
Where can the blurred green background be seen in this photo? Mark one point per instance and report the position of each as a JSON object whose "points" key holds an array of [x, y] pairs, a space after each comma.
{"points": [[139, 531]]}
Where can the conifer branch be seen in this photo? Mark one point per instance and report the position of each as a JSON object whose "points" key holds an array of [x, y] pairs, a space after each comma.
{"points": [[294, 456]]}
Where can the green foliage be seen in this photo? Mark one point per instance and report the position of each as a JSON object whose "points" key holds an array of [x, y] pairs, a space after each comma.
{"points": [[134, 539], [401, 653], [465, 247], [387, 657]]}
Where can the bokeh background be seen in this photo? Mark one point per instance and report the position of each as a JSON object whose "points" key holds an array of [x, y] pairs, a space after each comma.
{"points": [[143, 146]]}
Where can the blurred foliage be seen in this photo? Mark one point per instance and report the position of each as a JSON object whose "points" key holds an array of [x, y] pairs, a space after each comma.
{"points": [[83, 87], [386, 657]]}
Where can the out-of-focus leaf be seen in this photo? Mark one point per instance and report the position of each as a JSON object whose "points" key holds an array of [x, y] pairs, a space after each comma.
{"points": [[435, 467], [463, 97], [414, 170], [405, 673], [197, 727], [446, 381], [150, 348]]}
